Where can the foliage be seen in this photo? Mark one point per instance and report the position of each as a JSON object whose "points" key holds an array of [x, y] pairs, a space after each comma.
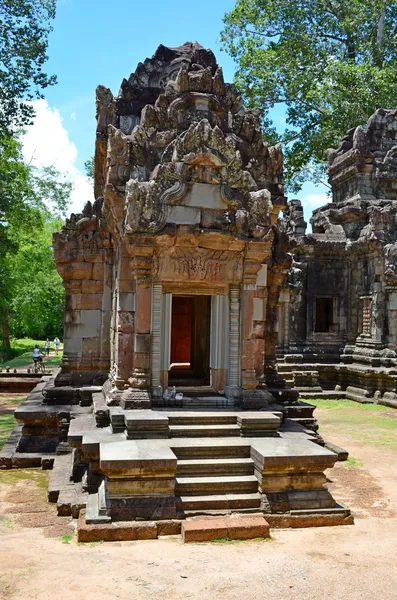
{"points": [[24, 29], [89, 168], [38, 296], [31, 203], [332, 63]]}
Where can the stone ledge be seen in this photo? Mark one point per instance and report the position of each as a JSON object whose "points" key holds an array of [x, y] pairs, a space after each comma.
{"points": [[208, 530], [325, 519], [119, 531]]}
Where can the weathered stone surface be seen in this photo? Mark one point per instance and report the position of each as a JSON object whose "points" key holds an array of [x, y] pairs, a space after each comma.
{"points": [[339, 305], [208, 530], [109, 532]]}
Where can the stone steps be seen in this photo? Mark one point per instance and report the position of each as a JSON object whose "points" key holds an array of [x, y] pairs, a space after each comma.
{"points": [[225, 502], [200, 486], [204, 431], [211, 450], [219, 467], [202, 418]]}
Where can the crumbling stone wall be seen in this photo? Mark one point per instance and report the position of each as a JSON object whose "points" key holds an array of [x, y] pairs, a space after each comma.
{"points": [[350, 256]]}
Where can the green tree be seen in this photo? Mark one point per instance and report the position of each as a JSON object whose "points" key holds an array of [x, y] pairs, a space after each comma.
{"points": [[36, 307], [24, 29], [30, 200], [331, 62]]}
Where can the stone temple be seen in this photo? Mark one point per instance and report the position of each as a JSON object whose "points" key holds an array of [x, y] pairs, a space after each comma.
{"points": [[198, 309]]}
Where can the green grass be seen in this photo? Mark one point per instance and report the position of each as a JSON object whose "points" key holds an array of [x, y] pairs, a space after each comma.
{"points": [[353, 463], [370, 424], [7, 421], [7, 424], [24, 347], [24, 361]]}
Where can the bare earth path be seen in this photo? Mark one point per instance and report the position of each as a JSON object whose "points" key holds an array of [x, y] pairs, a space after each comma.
{"points": [[340, 563]]}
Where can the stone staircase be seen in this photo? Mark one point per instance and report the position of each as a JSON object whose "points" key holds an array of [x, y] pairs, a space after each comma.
{"points": [[203, 425], [215, 479], [212, 479]]}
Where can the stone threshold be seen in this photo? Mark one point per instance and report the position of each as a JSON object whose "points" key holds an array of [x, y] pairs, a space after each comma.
{"points": [[205, 529]]}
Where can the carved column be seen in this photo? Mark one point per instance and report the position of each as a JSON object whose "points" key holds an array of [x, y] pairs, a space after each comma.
{"points": [[138, 396], [165, 339], [233, 388], [157, 301], [219, 341]]}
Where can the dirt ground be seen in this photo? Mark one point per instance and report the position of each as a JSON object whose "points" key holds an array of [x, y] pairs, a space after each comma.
{"points": [[40, 558]]}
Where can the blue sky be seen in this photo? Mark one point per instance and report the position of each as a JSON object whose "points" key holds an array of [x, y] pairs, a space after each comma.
{"points": [[100, 42]]}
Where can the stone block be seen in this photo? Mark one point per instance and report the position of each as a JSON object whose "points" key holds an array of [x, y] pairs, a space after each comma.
{"points": [[126, 322], [142, 342], [208, 530], [204, 195], [126, 302], [126, 285], [215, 219], [109, 532], [125, 343], [142, 507], [169, 528], [90, 323], [132, 459], [85, 302], [141, 360], [292, 481], [75, 270], [259, 314], [97, 272], [255, 399], [143, 313], [183, 215], [261, 278], [91, 287], [142, 486], [248, 354]]}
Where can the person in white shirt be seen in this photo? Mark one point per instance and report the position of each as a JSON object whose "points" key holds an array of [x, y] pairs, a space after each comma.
{"points": [[56, 345], [37, 354]]}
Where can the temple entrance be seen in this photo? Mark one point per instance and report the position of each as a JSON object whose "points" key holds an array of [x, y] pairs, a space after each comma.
{"points": [[190, 340]]}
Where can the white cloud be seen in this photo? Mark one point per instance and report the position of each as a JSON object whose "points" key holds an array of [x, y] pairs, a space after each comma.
{"points": [[47, 143], [314, 200], [73, 116]]}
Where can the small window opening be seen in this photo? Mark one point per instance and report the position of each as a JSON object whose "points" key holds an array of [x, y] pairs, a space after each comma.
{"points": [[324, 320]]}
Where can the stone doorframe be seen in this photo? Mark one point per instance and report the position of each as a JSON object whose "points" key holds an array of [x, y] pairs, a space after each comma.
{"points": [[225, 362]]}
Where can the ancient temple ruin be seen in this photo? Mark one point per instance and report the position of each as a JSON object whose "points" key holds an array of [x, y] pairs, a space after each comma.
{"points": [[169, 403], [337, 314], [172, 277]]}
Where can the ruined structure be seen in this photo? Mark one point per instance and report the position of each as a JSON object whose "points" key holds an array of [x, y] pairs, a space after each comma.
{"points": [[337, 329], [173, 279], [180, 237]]}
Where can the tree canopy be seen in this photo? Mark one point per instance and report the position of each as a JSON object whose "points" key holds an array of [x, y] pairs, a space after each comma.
{"points": [[24, 29], [332, 62], [31, 204]]}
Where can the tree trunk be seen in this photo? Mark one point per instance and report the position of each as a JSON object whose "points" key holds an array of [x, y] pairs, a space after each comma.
{"points": [[380, 40], [5, 329]]}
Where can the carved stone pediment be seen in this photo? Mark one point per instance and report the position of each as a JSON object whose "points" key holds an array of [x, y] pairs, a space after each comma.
{"points": [[199, 264]]}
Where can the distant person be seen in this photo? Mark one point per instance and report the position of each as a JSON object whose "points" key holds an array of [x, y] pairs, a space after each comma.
{"points": [[37, 354], [47, 346], [56, 345]]}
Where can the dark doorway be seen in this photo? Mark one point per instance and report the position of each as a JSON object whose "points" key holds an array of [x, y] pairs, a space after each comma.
{"points": [[190, 340], [324, 319]]}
